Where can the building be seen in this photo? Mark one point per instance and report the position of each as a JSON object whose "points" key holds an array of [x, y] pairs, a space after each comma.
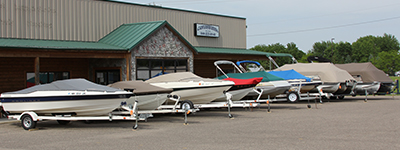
{"points": [[107, 41]]}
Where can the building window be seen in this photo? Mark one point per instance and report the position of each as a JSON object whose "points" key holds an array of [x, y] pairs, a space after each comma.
{"points": [[106, 77], [45, 77], [148, 68]]}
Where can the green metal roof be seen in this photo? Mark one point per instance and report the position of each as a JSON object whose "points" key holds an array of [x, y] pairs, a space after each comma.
{"points": [[131, 35], [54, 44], [238, 51], [156, 6], [124, 38], [228, 51]]}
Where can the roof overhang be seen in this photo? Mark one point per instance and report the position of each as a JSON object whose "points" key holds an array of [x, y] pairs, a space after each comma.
{"points": [[120, 41], [234, 54], [56, 45]]}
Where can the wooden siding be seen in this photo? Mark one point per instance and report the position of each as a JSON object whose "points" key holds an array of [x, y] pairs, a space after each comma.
{"points": [[204, 68], [12, 52], [207, 69], [14, 78], [13, 73]]}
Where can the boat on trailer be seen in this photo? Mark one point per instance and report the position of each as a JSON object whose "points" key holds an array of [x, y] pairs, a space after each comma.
{"points": [[191, 87], [370, 80], [270, 85], [297, 80], [334, 80], [241, 88], [76, 97], [79, 99], [149, 97]]}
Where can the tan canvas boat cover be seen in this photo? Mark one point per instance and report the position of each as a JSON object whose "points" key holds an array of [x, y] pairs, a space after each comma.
{"points": [[139, 87], [366, 71], [180, 77], [327, 72]]}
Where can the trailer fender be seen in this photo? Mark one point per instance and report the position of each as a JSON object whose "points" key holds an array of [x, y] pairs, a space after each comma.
{"points": [[34, 116]]}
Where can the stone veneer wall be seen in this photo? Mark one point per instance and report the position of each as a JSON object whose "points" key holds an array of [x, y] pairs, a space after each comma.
{"points": [[162, 44]]}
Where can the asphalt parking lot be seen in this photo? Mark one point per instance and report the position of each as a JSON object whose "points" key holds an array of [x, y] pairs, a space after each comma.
{"points": [[338, 124]]}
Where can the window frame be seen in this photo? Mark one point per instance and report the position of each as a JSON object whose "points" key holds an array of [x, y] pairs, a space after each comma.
{"points": [[47, 76], [164, 68], [108, 70]]}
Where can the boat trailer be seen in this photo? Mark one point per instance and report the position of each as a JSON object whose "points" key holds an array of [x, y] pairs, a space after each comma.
{"points": [[125, 112]]}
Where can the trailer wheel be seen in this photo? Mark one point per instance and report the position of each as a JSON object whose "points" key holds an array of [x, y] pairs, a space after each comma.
{"points": [[187, 104], [341, 97], [293, 97], [63, 122], [27, 122]]}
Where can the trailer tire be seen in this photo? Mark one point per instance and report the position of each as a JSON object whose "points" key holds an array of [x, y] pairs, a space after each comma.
{"points": [[63, 122], [293, 97], [27, 122], [187, 104]]}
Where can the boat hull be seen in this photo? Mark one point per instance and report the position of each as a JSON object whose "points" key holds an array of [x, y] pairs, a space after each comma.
{"points": [[346, 88], [371, 88], [75, 105], [385, 88], [197, 92], [271, 89], [305, 86], [236, 94], [326, 88], [148, 102]]}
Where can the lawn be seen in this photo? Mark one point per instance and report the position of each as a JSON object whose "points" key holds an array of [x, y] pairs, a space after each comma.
{"points": [[394, 78]]}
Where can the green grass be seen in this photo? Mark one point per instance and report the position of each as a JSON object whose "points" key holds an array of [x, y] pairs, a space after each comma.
{"points": [[394, 78]]}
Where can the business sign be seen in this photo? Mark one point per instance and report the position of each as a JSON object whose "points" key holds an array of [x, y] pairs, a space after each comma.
{"points": [[206, 30]]}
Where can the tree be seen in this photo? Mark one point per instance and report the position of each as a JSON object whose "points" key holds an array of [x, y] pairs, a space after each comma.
{"points": [[324, 49], [304, 58], [342, 53], [389, 62], [290, 48], [367, 48], [363, 48], [387, 43], [382, 51]]}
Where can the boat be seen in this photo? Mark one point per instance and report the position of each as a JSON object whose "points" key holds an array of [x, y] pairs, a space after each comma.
{"points": [[270, 85], [297, 80], [192, 87], [334, 80], [369, 78], [241, 88], [149, 97], [75, 97]]}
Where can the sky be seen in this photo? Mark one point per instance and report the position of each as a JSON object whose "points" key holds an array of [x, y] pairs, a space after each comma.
{"points": [[302, 22]]}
